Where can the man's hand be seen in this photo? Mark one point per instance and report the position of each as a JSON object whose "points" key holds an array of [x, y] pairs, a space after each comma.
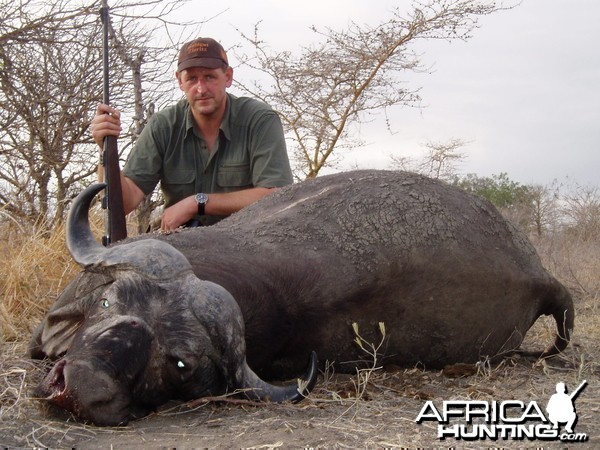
{"points": [[106, 122], [178, 214]]}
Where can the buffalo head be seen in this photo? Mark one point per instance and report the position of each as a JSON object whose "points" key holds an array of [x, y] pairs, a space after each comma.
{"points": [[137, 328]]}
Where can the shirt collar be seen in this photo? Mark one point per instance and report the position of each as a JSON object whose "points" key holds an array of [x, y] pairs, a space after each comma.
{"points": [[224, 127]]}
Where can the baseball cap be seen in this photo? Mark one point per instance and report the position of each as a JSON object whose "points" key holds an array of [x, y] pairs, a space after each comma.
{"points": [[202, 52]]}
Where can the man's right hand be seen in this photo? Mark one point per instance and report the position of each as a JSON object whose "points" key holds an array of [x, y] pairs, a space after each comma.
{"points": [[106, 122], [178, 214]]}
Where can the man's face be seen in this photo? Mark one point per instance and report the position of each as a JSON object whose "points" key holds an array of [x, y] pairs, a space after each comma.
{"points": [[205, 89]]}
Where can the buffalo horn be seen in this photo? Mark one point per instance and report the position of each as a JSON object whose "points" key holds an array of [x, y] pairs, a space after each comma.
{"points": [[258, 389], [82, 244]]}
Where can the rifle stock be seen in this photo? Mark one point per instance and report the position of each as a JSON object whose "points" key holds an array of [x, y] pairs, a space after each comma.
{"points": [[115, 225]]}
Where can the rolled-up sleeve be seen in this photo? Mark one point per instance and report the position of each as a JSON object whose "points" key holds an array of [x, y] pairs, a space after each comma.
{"points": [[270, 165]]}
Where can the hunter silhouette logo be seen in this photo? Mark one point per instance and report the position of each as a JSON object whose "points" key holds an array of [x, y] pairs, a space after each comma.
{"points": [[471, 420], [561, 407]]}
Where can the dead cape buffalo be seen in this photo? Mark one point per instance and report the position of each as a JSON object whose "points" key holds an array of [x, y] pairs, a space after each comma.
{"points": [[209, 310]]}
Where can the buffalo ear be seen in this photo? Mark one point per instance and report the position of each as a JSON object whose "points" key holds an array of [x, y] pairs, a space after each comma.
{"points": [[53, 337], [219, 314]]}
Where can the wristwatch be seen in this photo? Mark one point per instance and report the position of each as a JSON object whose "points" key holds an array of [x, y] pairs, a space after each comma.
{"points": [[202, 200]]}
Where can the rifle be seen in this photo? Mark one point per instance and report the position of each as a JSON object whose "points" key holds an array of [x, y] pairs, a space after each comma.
{"points": [[576, 392], [115, 226]]}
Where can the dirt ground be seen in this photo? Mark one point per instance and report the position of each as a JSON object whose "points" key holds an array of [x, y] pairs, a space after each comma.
{"points": [[369, 410]]}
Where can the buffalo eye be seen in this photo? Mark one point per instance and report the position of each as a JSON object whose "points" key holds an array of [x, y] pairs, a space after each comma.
{"points": [[181, 366], [180, 363]]}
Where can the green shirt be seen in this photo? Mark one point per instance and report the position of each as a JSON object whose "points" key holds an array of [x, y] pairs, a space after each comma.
{"points": [[251, 152]]}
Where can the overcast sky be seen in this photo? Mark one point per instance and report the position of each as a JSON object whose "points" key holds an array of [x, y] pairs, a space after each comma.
{"points": [[524, 91]]}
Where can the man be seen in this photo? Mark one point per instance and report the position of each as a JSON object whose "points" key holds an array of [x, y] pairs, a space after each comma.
{"points": [[560, 408], [212, 152]]}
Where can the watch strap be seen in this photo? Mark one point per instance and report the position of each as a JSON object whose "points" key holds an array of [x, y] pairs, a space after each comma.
{"points": [[201, 200]]}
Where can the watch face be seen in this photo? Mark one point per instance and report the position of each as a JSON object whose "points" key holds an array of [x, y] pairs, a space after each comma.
{"points": [[201, 198]]}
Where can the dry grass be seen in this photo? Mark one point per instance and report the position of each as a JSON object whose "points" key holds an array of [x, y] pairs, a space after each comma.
{"points": [[366, 410], [34, 269]]}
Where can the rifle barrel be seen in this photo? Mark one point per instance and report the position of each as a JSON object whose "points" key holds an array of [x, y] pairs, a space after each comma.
{"points": [[579, 388], [115, 224]]}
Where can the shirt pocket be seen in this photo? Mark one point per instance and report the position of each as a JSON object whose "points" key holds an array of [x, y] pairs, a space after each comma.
{"points": [[234, 176]]}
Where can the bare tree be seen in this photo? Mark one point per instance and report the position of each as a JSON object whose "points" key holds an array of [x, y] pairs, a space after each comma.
{"points": [[581, 209], [440, 161], [39, 121], [351, 74], [50, 84], [544, 213]]}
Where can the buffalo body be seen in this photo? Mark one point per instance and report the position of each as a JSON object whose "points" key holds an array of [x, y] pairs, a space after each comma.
{"points": [[449, 277]]}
